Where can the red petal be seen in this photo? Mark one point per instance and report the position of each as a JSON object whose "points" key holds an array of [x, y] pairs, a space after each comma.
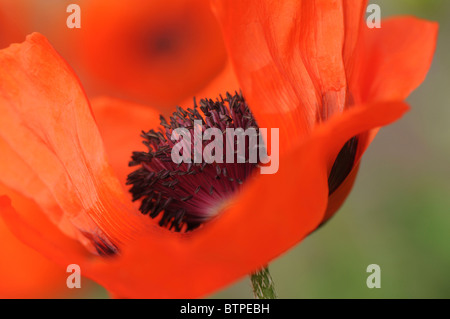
{"points": [[224, 82], [46, 238], [354, 14], [25, 273], [393, 61], [121, 123], [51, 149], [288, 59], [396, 59]]}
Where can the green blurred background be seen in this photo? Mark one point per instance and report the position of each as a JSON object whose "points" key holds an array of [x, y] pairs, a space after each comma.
{"points": [[398, 214]]}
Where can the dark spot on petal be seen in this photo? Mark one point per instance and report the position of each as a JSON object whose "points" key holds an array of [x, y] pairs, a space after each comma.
{"points": [[342, 165]]}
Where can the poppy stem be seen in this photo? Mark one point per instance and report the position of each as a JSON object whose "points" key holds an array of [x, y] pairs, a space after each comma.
{"points": [[263, 286]]}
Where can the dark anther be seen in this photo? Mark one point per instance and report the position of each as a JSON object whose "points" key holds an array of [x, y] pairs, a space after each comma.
{"points": [[187, 194]]}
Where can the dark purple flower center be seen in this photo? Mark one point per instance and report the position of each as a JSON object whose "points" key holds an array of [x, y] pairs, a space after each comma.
{"points": [[188, 194], [185, 195]]}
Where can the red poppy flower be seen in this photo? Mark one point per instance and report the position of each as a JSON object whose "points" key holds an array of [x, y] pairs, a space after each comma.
{"points": [[158, 52], [310, 69]]}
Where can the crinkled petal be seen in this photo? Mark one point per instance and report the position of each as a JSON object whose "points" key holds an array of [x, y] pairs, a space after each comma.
{"points": [[288, 57], [51, 149]]}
